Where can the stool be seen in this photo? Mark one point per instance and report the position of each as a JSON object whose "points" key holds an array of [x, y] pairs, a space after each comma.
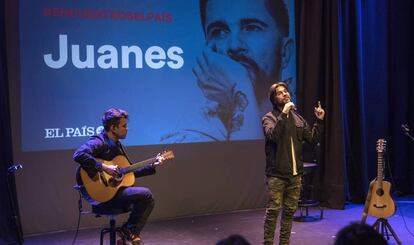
{"points": [[99, 211], [307, 201], [112, 229]]}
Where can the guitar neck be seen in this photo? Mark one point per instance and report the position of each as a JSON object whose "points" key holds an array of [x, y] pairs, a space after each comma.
{"points": [[380, 169], [137, 165]]}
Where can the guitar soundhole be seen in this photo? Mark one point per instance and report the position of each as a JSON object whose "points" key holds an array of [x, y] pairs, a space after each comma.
{"points": [[114, 181], [380, 192]]}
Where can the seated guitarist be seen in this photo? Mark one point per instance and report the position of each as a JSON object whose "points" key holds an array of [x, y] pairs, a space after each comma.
{"points": [[106, 146]]}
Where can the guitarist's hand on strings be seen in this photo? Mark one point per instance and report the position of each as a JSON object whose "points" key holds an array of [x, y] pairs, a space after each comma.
{"points": [[112, 170]]}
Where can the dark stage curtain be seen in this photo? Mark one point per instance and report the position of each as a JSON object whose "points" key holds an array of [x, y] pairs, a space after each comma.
{"points": [[355, 56], [400, 94], [376, 55], [319, 79], [363, 34], [9, 228]]}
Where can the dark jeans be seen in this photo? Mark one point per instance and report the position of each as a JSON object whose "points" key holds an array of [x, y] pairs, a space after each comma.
{"points": [[282, 194], [142, 202]]}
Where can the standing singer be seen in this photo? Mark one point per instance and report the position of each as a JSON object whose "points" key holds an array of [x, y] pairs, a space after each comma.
{"points": [[285, 131]]}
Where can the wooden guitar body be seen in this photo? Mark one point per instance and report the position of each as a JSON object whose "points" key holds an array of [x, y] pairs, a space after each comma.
{"points": [[381, 205], [102, 187]]}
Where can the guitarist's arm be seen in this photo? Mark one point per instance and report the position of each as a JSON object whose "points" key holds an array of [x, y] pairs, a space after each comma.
{"points": [[150, 168], [84, 155], [144, 171]]}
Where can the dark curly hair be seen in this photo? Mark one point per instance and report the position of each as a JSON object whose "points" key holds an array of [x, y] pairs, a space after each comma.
{"points": [[359, 234]]}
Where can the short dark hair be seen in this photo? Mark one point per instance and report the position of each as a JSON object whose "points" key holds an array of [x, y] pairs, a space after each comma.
{"points": [[112, 116], [272, 91], [359, 234], [235, 239], [277, 8]]}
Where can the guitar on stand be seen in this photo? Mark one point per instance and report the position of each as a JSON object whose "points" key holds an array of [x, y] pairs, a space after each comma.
{"points": [[379, 202]]}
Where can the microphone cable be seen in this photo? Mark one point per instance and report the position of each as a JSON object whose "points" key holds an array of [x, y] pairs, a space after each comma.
{"points": [[79, 217]]}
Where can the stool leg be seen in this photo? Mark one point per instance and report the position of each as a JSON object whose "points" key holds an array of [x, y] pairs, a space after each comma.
{"points": [[121, 235], [112, 232], [102, 236]]}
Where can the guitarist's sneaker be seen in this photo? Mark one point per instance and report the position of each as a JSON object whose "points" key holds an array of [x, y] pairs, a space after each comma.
{"points": [[136, 240], [130, 237], [127, 242]]}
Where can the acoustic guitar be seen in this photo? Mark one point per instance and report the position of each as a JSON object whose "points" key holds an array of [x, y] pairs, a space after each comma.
{"points": [[102, 187], [379, 202]]}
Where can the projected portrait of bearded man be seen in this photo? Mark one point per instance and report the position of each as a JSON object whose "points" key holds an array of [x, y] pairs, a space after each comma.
{"points": [[247, 45]]}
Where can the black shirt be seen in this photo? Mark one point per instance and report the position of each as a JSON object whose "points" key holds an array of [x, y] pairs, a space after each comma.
{"points": [[280, 130]]}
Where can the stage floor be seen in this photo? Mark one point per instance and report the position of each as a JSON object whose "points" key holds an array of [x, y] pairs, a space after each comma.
{"points": [[208, 229]]}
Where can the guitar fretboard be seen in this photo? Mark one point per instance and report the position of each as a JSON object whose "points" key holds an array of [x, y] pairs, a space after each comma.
{"points": [[137, 165], [381, 143], [380, 169]]}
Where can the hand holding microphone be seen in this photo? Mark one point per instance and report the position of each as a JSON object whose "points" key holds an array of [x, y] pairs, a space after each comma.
{"points": [[288, 106]]}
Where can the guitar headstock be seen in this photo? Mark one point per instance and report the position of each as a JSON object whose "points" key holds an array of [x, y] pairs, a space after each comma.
{"points": [[167, 155], [381, 145]]}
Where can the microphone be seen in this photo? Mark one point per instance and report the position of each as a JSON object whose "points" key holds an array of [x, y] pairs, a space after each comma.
{"points": [[405, 128], [14, 168], [406, 131], [294, 106]]}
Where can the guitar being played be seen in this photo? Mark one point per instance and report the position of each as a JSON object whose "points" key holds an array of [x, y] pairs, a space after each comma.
{"points": [[102, 187], [108, 177], [379, 202]]}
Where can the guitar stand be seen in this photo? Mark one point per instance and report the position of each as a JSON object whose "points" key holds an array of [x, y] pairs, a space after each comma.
{"points": [[385, 229]]}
